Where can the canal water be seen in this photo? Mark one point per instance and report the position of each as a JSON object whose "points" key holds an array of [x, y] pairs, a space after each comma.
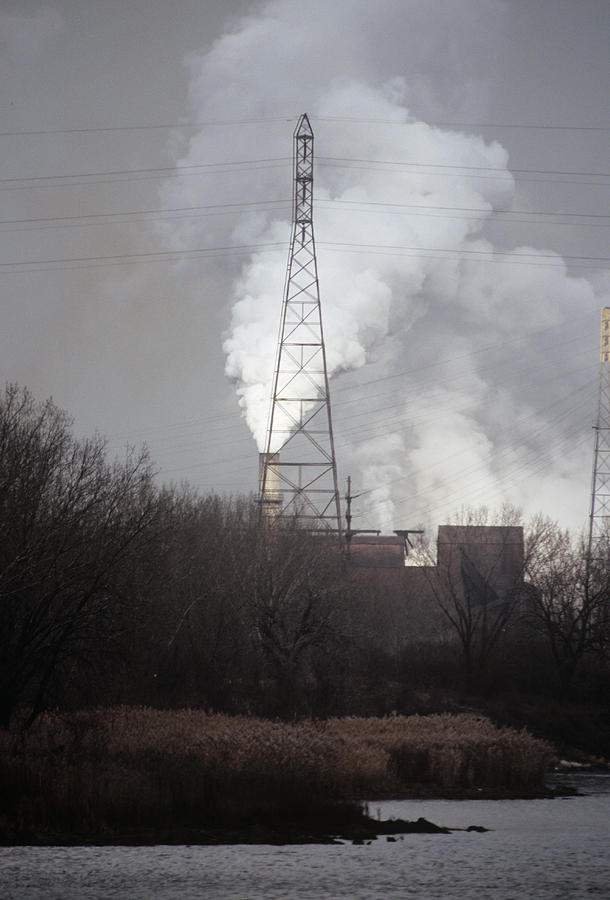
{"points": [[537, 849]]}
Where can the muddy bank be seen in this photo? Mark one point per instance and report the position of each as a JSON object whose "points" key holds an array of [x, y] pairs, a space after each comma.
{"points": [[356, 829]]}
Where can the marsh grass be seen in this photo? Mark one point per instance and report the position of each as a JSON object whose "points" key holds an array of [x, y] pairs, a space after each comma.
{"points": [[446, 753], [102, 773]]}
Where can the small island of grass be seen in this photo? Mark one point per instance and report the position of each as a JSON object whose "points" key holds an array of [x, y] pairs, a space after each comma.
{"points": [[145, 776]]}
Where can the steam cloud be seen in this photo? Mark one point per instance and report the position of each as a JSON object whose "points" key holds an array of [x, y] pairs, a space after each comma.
{"points": [[450, 369]]}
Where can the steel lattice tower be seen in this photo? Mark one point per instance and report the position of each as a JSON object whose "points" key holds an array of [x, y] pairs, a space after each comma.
{"points": [[298, 475], [600, 485]]}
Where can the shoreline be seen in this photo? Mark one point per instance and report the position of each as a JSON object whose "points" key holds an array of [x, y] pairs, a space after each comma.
{"points": [[356, 829], [365, 830]]}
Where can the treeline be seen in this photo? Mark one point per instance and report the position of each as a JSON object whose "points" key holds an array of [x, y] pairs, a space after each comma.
{"points": [[114, 590]]}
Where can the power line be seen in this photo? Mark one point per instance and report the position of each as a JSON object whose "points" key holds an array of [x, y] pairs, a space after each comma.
{"points": [[472, 470], [229, 207], [290, 118], [121, 258], [507, 478], [491, 256], [162, 171], [386, 162], [476, 209], [446, 360], [492, 177], [377, 421], [490, 348], [511, 476], [496, 454], [532, 464], [444, 124], [466, 251], [379, 206], [211, 425]]}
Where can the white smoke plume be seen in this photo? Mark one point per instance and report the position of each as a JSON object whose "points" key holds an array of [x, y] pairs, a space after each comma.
{"points": [[450, 351]]}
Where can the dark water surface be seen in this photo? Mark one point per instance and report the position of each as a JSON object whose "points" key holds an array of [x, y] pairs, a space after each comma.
{"points": [[536, 849]]}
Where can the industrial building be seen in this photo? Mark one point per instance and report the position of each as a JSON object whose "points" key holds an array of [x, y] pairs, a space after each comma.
{"points": [[478, 567]]}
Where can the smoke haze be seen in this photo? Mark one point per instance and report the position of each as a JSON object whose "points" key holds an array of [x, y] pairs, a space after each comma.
{"points": [[420, 303], [462, 266]]}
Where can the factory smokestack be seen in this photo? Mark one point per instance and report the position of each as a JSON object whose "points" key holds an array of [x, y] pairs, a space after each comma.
{"points": [[270, 496]]}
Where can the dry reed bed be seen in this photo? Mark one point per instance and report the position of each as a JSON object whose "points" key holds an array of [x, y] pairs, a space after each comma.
{"points": [[446, 751], [100, 770]]}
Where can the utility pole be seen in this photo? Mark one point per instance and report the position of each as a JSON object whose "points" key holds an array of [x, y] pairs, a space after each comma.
{"points": [[298, 472], [349, 532], [599, 519]]}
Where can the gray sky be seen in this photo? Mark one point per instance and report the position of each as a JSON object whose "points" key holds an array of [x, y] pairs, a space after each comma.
{"points": [[139, 262]]}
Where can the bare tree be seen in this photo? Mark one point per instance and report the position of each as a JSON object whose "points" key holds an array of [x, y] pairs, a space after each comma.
{"points": [[199, 636], [294, 583], [506, 514], [69, 522], [570, 596], [478, 584]]}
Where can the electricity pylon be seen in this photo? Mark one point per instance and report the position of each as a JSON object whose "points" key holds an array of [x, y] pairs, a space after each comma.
{"points": [[298, 475], [599, 522]]}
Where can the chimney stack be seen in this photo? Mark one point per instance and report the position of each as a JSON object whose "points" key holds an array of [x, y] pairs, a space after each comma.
{"points": [[270, 497]]}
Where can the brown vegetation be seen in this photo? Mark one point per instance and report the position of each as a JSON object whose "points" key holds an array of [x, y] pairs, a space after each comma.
{"points": [[143, 774]]}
